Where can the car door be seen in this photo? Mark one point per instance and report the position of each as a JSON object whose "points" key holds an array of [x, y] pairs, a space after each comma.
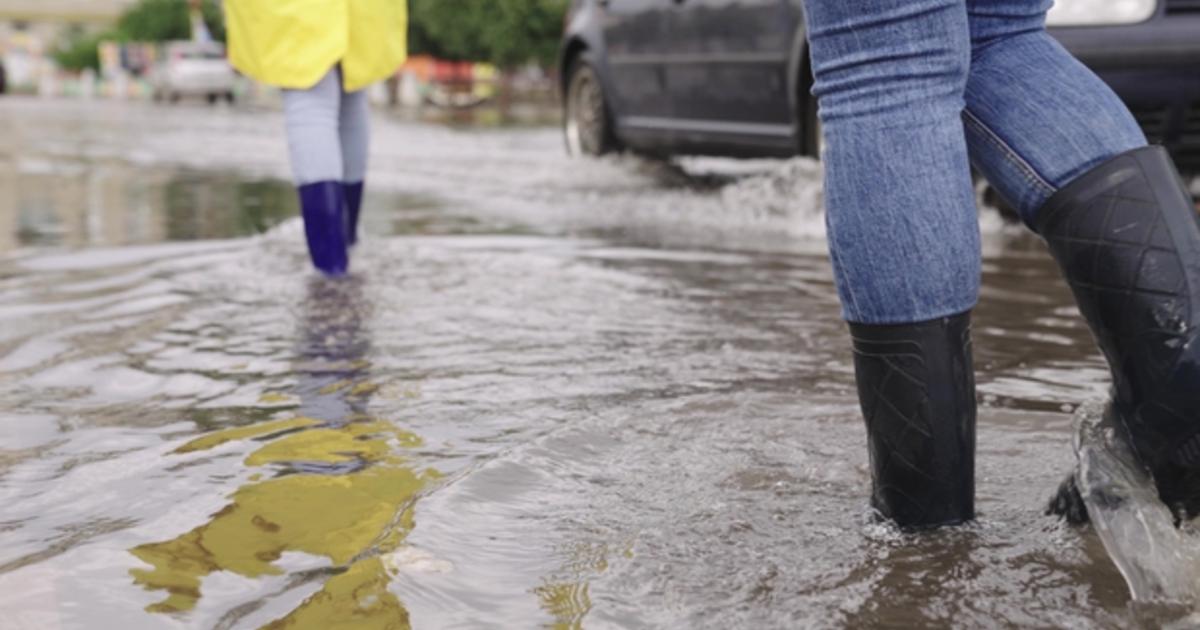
{"points": [[727, 68], [636, 36]]}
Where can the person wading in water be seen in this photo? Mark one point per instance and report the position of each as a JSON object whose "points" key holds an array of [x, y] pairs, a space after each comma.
{"points": [[912, 93], [323, 55]]}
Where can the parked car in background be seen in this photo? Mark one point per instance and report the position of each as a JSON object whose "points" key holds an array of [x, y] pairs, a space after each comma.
{"points": [[1149, 54], [194, 69], [732, 77]]}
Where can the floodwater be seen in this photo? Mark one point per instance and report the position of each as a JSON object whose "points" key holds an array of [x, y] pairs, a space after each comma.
{"points": [[555, 394]]}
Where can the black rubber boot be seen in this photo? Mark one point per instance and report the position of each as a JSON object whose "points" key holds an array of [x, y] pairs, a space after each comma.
{"points": [[1127, 237], [916, 384]]}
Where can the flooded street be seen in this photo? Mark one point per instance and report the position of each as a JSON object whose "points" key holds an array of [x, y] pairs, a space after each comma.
{"points": [[554, 393]]}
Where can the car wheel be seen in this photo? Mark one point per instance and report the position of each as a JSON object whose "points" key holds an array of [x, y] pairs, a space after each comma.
{"points": [[230, 98], [587, 121], [212, 99]]}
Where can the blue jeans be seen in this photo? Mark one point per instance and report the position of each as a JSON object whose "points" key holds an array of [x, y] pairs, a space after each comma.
{"points": [[911, 93]]}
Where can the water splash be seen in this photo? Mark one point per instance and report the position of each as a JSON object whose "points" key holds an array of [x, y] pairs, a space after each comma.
{"points": [[1157, 560]]}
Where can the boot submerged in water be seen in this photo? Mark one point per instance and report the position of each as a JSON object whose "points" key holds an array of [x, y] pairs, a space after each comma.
{"points": [[323, 205], [1127, 237], [916, 385]]}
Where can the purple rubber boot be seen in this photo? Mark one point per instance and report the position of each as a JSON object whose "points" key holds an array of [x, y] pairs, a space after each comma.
{"points": [[323, 205]]}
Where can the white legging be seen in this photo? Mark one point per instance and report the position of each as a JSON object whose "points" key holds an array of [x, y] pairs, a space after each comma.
{"points": [[327, 132]]}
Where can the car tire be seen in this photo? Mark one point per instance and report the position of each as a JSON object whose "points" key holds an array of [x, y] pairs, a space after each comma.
{"points": [[587, 119], [230, 98], [814, 135], [212, 98], [812, 139]]}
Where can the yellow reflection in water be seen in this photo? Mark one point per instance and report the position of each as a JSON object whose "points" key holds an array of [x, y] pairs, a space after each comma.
{"points": [[567, 602], [213, 440], [356, 600], [336, 516], [566, 596]]}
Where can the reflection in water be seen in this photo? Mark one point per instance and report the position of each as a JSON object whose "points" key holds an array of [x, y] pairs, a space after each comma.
{"points": [[567, 602], [333, 384], [200, 205], [567, 597], [48, 201], [336, 486]]}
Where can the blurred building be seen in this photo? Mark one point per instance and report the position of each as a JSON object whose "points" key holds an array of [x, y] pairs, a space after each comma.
{"points": [[47, 19], [30, 28]]}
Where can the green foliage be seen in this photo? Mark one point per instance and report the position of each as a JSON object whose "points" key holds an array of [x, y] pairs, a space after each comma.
{"points": [[146, 21], [165, 20], [450, 29], [526, 30], [156, 21], [80, 50], [507, 33]]}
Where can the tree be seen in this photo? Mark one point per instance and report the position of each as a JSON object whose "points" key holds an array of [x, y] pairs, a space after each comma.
{"points": [[507, 33], [80, 50], [165, 20], [450, 29], [525, 31], [146, 21]]}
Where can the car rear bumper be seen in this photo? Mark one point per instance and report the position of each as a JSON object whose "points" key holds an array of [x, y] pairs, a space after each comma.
{"points": [[1162, 42], [193, 84], [1175, 126], [1155, 68]]}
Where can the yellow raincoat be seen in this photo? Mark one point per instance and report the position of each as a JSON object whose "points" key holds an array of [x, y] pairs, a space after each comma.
{"points": [[294, 43]]}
